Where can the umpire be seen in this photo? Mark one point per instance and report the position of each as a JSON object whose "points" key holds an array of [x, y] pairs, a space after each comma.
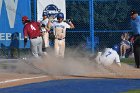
{"points": [[135, 23]]}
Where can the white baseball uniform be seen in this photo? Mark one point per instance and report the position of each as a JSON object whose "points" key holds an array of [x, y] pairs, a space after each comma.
{"points": [[107, 57], [45, 34], [59, 30]]}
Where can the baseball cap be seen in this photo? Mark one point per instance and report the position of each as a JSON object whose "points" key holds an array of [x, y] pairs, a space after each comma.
{"points": [[24, 18], [133, 12]]}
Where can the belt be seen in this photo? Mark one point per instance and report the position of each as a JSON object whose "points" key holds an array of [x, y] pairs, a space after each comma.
{"points": [[43, 32], [60, 38], [35, 37]]}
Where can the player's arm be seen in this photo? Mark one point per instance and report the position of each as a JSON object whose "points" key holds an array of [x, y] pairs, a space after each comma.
{"points": [[98, 58], [25, 36], [70, 24], [25, 41], [48, 26], [117, 60], [119, 64]]}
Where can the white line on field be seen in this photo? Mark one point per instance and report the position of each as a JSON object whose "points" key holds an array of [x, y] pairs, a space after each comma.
{"points": [[14, 80]]}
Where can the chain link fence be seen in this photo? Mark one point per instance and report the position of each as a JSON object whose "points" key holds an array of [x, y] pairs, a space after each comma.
{"points": [[111, 19]]}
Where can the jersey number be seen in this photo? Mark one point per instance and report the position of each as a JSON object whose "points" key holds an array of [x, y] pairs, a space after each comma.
{"points": [[108, 54], [32, 27]]}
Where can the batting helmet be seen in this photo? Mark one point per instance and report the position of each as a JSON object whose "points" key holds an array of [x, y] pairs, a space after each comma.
{"points": [[116, 48], [60, 15], [44, 13], [24, 18]]}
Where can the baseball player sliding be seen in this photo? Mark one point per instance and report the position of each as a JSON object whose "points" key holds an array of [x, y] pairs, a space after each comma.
{"points": [[59, 30], [108, 57], [44, 31]]}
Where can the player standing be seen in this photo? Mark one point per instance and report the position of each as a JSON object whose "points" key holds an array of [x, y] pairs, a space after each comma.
{"points": [[135, 23], [32, 30], [45, 31], [59, 30], [108, 57]]}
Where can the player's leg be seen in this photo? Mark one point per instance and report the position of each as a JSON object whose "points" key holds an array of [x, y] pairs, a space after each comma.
{"points": [[124, 51], [45, 38], [56, 47], [127, 51], [137, 55], [124, 48], [33, 46], [121, 50], [138, 50], [62, 48], [40, 41], [43, 42]]}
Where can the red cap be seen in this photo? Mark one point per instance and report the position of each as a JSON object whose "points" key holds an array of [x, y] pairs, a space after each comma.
{"points": [[24, 18]]}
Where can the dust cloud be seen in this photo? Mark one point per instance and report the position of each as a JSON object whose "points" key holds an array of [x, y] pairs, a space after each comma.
{"points": [[76, 62]]}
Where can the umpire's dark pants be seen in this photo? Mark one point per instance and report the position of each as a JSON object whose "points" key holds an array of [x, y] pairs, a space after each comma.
{"points": [[136, 48]]}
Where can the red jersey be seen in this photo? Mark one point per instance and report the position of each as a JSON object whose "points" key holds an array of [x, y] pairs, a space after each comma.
{"points": [[32, 29]]}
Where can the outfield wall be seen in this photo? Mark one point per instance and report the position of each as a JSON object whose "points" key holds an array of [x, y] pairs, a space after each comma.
{"points": [[11, 27]]}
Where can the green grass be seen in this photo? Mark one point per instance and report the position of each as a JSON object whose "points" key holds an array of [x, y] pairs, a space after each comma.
{"points": [[132, 91], [128, 61]]}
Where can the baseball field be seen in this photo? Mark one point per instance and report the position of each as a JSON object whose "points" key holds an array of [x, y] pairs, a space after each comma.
{"points": [[21, 72]]}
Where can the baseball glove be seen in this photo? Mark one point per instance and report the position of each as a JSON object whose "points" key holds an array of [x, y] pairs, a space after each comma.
{"points": [[51, 36]]}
